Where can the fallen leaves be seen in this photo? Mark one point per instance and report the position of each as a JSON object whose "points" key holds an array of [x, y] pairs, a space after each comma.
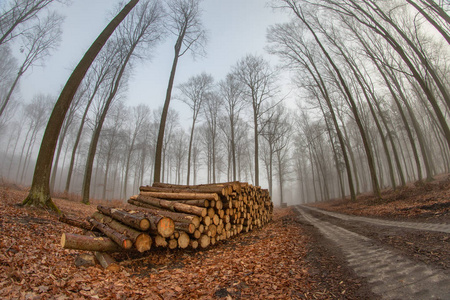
{"points": [[264, 264], [424, 200]]}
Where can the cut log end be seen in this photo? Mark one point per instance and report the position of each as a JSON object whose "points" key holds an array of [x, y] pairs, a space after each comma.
{"points": [[107, 262], [143, 242], [205, 241], [166, 227], [144, 224], [183, 240]]}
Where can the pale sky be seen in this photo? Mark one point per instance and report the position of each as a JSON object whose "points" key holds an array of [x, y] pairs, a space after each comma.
{"points": [[235, 28]]}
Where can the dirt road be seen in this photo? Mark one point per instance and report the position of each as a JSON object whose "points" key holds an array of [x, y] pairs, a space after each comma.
{"points": [[397, 260]]}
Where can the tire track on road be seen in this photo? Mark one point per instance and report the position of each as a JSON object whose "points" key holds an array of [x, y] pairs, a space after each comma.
{"points": [[391, 275]]}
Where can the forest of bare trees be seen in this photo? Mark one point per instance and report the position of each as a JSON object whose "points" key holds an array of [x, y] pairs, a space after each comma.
{"points": [[368, 108]]}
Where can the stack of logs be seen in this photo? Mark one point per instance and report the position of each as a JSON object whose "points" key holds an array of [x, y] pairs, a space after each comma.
{"points": [[173, 216]]}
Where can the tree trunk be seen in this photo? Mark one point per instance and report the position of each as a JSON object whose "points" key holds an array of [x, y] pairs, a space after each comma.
{"points": [[190, 151], [431, 20], [93, 146], [175, 216], [58, 153], [125, 183], [162, 124], [347, 93], [256, 134], [107, 262], [39, 194], [77, 141], [11, 90]]}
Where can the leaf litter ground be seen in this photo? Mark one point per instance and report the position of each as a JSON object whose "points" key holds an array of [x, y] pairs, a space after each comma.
{"points": [[269, 263], [287, 259]]}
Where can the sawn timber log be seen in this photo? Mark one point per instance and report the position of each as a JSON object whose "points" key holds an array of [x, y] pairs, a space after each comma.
{"points": [[172, 205]]}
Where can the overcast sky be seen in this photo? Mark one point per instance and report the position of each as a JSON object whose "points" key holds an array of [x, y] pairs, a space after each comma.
{"points": [[235, 28]]}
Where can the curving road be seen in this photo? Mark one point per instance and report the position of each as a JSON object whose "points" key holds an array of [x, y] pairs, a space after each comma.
{"points": [[390, 274]]}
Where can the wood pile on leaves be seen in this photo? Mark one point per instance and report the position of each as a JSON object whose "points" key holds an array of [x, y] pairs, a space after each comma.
{"points": [[172, 216]]}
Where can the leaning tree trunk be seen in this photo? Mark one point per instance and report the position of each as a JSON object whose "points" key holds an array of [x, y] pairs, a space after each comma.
{"points": [[39, 194], [370, 161], [93, 147], [77, 141], [58, 154], [431, 20], [323, 89]]}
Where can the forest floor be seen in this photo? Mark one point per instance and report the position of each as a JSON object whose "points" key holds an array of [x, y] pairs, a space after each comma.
{"points": [[419, 201], [287, 259]]}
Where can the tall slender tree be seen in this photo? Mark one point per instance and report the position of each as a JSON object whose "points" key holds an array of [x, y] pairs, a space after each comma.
{"points": [[230, 89], [37, 44], [259, 87], [184, 22], [17, 13], [141, 30], [194, 93]]}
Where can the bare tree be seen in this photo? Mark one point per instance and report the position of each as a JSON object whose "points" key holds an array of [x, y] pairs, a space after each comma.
{"points": [[141, 30], [113, 138], [282, 155], [179, 153], [97, 75], [37, 44], [230, 90], [65, 128], [259, 87], [16, 13], [36, 113], [8, 66], [212, 108], [39, 194], [140, 117], [146, 146], [194, 93], [184, 23], [345, 89], [172, 126]]}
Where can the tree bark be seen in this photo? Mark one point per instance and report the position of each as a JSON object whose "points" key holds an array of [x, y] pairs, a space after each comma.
{"points": [[134, 220], [172, 205], [151, 210], [181, 196], [162, 124], [141, 241], [431, 20], [117, 237], [82, 224]]}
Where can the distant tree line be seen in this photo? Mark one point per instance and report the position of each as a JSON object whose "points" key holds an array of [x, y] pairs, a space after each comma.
{"points": [[374, 80]]}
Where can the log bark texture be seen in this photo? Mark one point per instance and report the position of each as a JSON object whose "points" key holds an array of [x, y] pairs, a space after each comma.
{"points": [[117, 237], [171, 205], [88, 243]]}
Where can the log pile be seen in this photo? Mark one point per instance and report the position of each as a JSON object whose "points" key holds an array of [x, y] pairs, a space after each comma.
{"points": [[172, 216]]}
